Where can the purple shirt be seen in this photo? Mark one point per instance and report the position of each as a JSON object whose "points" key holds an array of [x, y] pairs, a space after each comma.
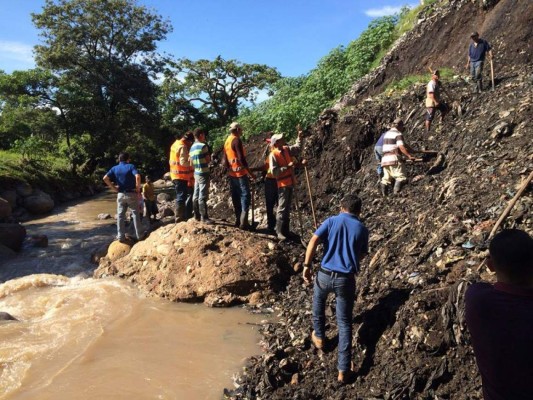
{"points": [[500, 320]]}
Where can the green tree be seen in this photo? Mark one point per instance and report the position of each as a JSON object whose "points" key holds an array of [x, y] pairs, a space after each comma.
{"points": [[103, 55], [216, 88]]}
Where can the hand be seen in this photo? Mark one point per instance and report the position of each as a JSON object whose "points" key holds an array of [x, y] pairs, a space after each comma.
{"points": [[291, 164], [304, 162], [307, 275]]}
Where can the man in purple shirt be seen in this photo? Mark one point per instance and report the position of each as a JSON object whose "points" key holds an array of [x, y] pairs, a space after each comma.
{"points": [[500, 319]]}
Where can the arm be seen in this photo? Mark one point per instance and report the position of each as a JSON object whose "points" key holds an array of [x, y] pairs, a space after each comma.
{"points": [[138, 183], [309, 254], [239, 152], [110, 184], [404, 150], [183, 157]]}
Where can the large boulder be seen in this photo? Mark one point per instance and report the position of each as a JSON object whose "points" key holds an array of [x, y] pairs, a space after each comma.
{"points": [[189, 261], [12, 235], [118, 250], [5, 208], [39, 203], [10, 196], [24, 189]]}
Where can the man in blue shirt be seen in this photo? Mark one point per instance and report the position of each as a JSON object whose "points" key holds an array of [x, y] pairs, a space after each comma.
{"points": [[476, 56], [126, 181], [345, 241]]}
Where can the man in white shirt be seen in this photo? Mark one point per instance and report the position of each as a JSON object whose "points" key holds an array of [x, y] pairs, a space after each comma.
{"points": [[433, 100]]}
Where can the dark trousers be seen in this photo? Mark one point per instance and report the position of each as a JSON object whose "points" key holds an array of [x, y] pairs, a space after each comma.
{"points": [[181, 191], [151, 208], [240, 194], [189, 202], [271, 200], [284, 208]]}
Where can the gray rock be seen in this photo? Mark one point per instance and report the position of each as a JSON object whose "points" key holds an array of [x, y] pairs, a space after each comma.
{"points": [[103, 216], [5, 208], [23, 189], [12, 235], [39, 203], [10, 196], [161, 197]]}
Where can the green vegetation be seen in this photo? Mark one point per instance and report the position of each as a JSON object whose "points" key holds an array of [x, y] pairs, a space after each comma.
{"points": [[410, 80]]}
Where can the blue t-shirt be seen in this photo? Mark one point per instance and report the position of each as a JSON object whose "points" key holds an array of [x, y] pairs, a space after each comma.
{"points": [[477, 53], [344, 238], [123, 175]]}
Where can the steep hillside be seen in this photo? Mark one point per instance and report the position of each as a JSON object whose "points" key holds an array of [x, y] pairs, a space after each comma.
{"points": [[441, 38], [427, 244]]}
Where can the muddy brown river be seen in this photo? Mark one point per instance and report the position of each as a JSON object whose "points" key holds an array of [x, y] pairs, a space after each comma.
{"points": [[84, 338]]}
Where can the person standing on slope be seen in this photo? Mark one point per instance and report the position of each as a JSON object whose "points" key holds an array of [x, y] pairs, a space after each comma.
{"points": [[180, 172], [477, 52], [200, 159], [433, 100]]}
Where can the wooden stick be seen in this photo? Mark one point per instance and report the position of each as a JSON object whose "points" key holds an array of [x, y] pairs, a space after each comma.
{"points": [[492, 73], [507, 210], [310, 196], [511, 204]]}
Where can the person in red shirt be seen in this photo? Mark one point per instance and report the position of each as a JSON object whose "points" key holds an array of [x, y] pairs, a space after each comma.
{"points": [[500, 319]]}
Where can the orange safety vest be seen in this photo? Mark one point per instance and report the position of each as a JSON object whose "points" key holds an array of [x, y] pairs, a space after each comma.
{"points": [[283, 157], [177, 171], [236, 169]]}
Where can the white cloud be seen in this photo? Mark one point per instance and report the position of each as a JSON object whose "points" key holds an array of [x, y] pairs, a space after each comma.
{"points": [[386, 10], [16, 51]]}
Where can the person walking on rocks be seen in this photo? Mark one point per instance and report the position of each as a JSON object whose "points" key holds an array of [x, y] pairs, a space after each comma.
{"points": [[239, 175], [477, 52], [345, 240], [500, 318], [149, 199], [433, 100], [180, 172], [393, 168], [200, 159], [378, 153], [126, 181], [282, 162]]}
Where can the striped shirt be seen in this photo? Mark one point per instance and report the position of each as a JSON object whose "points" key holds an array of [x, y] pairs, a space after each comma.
{"points": [[392, 140], [199, 154]]}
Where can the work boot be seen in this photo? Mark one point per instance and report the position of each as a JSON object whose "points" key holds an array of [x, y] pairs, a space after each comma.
{"points": [[397, 187], [279, 230], [480, 85], [180, 213], [384, 190], [196, 210], [345, 377], [204, 217], [318, 342], [244, 224]]}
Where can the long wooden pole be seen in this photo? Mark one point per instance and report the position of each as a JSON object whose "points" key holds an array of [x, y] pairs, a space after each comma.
{"points": [[511, 204], [310, 196], [492, 73]]}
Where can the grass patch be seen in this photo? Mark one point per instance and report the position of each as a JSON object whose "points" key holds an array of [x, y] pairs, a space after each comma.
{"points": [[409, 81]]}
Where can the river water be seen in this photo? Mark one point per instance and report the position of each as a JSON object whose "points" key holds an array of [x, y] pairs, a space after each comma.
{"points": [[84, 338]]}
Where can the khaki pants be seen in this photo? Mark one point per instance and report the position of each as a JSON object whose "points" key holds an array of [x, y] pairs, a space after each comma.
{"points": [[393, 172]]}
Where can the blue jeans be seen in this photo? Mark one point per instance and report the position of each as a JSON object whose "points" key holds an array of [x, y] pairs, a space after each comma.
{"points": [[125, 200], [240, 194], [476, 70], [378, 153], [344, 289], [181, 191], [201, 190]]}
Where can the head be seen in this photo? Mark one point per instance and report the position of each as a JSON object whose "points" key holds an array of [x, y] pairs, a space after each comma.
{"points": [[188, 136], [200, 134], [123, 157], [398, 124], [277, 140], [235, 128], [148, 179], [475, 36], [352, 204], [511, 257], [435, 75]]}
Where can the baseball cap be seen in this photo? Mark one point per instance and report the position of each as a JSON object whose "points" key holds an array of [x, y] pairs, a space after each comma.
{"points": [[234, 125], [474, 34], [275, 138]]}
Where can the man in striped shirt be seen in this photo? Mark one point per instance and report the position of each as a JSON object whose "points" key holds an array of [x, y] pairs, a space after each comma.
{"points": [[200, 159], [393, 169]]}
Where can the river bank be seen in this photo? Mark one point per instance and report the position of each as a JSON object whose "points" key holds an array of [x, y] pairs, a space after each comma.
{"points": [[103, 337]]}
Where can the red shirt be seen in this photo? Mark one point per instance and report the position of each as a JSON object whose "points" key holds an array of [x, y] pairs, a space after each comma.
{"points": [[500, 320]]}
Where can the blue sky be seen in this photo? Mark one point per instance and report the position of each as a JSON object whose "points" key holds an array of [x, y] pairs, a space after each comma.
{"points": [[291, 35]]}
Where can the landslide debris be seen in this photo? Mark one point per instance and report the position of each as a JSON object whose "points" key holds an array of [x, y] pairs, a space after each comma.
{"points": [[219, 265]]}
